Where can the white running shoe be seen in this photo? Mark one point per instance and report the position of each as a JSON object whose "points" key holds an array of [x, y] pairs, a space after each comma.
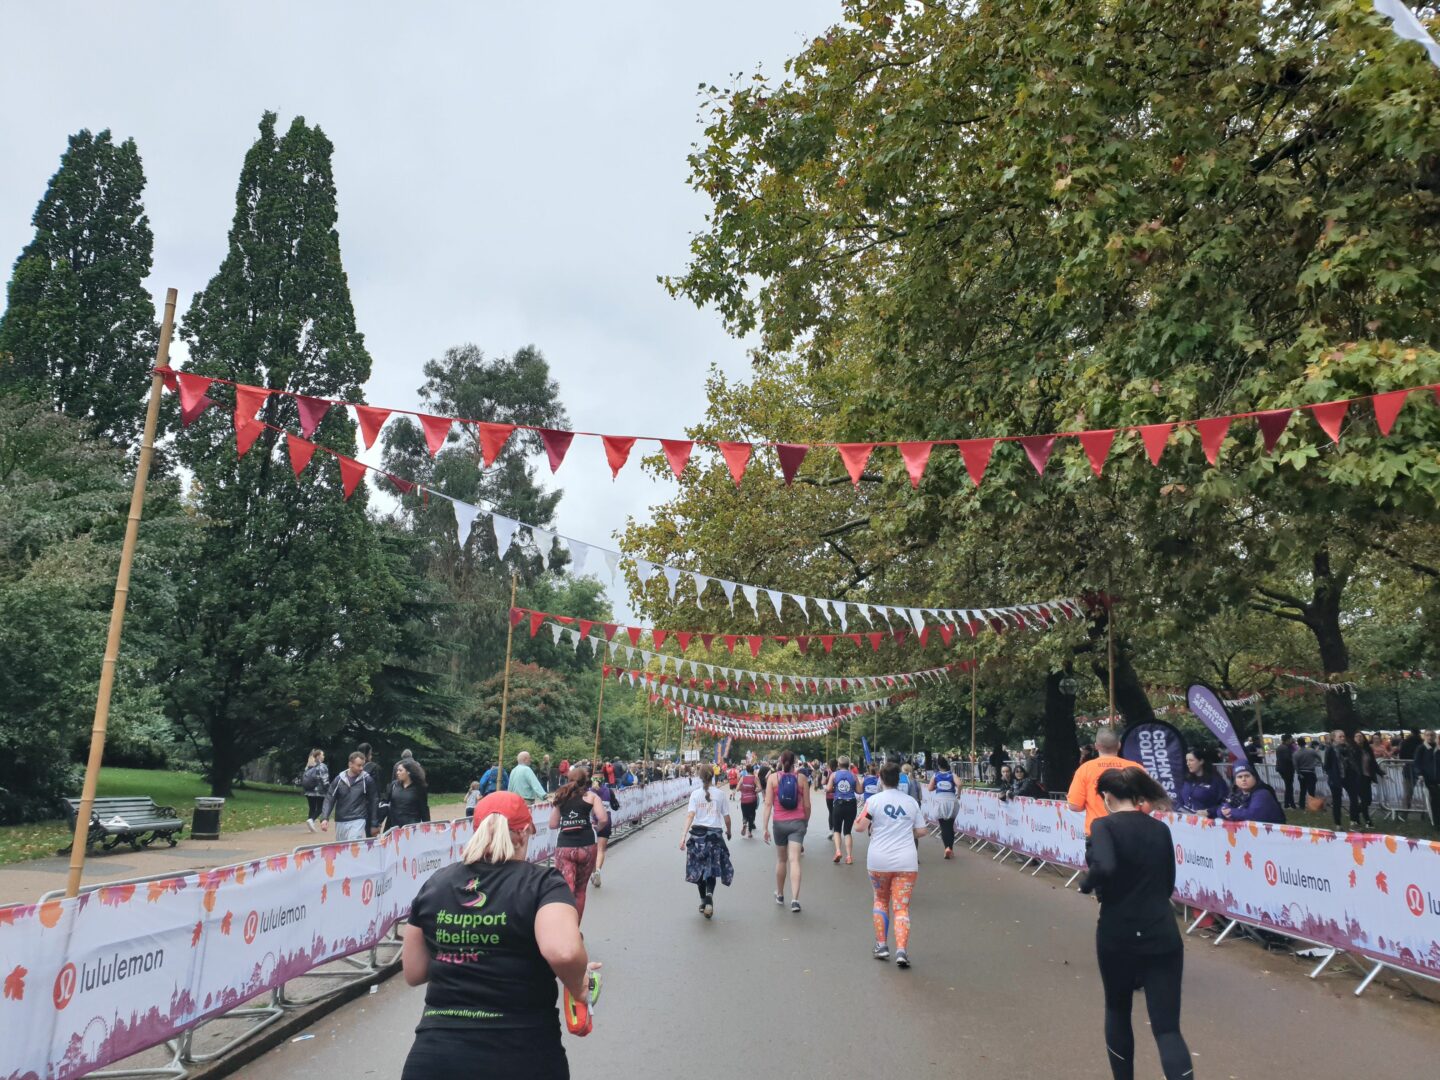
{"points": [[595, 879], [310, 824]]}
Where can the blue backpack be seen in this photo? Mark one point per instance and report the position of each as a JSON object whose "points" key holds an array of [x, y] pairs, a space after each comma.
{"points": [[787, 791]]}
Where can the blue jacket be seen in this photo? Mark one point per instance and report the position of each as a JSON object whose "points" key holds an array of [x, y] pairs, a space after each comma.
{"points": [[1261, 805], [1201, 796]]}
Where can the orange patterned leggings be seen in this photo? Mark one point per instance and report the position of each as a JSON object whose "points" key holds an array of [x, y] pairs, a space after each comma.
{"points": [[892, 894]]}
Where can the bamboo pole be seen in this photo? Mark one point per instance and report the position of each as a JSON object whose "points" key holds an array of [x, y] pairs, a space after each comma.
{"points": [[1259, 725], [80, 843], [599, 709], [1110, 646], [505, 685], [974, 675]]}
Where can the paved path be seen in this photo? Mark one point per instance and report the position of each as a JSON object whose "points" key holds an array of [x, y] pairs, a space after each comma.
{"points": [[1004, 985], [24, 882]]}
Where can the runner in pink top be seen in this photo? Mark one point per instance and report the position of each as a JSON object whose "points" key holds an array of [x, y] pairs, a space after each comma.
{"points": [[787, 802]]}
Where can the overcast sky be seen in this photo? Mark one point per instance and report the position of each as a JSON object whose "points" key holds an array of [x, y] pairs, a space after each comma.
{"points": [[508, 174]]}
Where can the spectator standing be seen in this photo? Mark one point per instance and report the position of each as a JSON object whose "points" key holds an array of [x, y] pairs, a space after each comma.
{"points": [[314, 781], [1251, 799], [1427, 771], [1370, 775], [472, 797], [1408, 746], [406, 757], [998, 757], [371, 765], [1203, 791], [523, 781], [1307, 770], [1083, 796], [1285, 766], [354, 799], [409, 800], [1342, 773], [492, 780]]}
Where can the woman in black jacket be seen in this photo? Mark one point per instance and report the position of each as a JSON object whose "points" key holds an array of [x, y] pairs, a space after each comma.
{"points": [[409, 801], [1131, 859]]}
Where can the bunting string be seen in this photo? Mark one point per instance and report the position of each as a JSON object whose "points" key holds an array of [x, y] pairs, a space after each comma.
{"points": [[301, 452], [738, 456]]}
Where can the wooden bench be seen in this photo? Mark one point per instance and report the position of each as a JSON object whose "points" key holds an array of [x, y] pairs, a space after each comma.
{"points": [[138, 821]]}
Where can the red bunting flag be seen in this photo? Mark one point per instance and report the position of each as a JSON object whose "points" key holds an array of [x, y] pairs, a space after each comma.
{"points": [[536, 618], [659, 637], [730, 640], [351, 473], [1037, 449], [1330, 416], [1387, 408], [790, 455], [976, 453], [192, 389], [677, 453], [1155, 436], [516, 615], [917, 456], [556, 443], [617, 452], [371, 421], [401, 485], [312, 411], [610, 629], [492, 440], [437, 430], [301, 451], [947, 633], [802, 642], [188, 416], [737, 457], [246, 434], [1212, 434], [633, 633], [707, 640], [586, 625], [754, 641], [682, 638], [1097, 448], [875, 638], [248, 400], [855, 456], [827, 640], [1272, 425]]}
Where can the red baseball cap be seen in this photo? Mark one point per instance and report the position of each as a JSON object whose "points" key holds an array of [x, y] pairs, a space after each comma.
{"points": [[504, 802]]}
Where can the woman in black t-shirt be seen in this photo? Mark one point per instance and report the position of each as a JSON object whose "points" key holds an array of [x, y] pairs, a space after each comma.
{"points": [[490, 935], [575, 850], [1131, 861]]}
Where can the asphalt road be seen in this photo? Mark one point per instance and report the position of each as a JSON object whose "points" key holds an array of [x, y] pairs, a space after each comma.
{"points": [[1003, 985]]}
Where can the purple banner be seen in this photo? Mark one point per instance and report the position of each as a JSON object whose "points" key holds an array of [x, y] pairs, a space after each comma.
{"points": [[1205, 704], [1161, 749]]}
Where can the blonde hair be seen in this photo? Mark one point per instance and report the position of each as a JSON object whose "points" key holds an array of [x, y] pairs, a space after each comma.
{"points": [[492, 842]]}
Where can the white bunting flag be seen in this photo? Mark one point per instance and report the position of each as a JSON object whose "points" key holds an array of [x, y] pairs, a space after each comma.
{"points": [[504, 532], [465, 515]]}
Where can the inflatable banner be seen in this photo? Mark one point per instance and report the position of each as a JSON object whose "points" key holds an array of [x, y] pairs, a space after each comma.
{"points": [[1375, 896], [92, 980]]}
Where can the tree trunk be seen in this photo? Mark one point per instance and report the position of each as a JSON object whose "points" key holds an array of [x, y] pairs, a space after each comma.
{"points": [[1131, 701], [1323, 618], [1060, 740]]}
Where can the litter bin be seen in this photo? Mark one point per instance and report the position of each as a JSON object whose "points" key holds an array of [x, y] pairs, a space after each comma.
{"points": [[205, 825]]}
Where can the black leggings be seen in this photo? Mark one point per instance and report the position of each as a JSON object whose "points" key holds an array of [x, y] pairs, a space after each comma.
{"points": [[316, 803], [445, 1052], [747, 814], [1123, 973], [706, 887], [947, 832]]}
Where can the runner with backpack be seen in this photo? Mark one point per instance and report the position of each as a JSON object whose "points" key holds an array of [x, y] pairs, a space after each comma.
{"points": [[787, 803], [841, 790], [749, 789]]}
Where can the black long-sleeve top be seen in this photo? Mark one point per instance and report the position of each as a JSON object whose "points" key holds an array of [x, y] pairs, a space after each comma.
{"points": [[1131, 861], [407, 805]]}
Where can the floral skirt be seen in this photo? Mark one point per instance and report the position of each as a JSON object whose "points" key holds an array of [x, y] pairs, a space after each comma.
{"points": [[707, 856]]}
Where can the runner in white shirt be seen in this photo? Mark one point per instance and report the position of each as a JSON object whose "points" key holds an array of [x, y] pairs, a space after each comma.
{"points": [[707, 858], [894, 823]]}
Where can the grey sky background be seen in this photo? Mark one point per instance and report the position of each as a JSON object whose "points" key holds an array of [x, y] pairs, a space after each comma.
{"points": [[507, 174]]}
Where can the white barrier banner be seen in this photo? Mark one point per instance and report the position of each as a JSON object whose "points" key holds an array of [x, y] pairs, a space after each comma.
{"points": [[90, 981], [1373, 895]]}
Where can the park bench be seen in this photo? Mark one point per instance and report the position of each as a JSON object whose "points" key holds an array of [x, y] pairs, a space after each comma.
{"points": [[137, 820]]}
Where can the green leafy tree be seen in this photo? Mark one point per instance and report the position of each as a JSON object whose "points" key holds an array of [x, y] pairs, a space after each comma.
{"points": [[286, 612], [79, 329]]}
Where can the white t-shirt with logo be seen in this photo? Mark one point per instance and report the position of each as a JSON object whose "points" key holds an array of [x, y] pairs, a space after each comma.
{"points": [[711, 815], [894, 817]]}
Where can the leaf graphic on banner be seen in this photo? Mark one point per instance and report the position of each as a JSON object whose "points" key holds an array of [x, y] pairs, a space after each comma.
{"points": [[15, 983], [229, 920], [1382, 883]]}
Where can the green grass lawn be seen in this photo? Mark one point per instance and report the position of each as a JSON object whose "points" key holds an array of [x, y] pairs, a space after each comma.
{"points": [[254, 806]]}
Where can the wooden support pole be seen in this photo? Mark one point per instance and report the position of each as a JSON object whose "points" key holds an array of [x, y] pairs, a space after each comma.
{"points": [[974, 675], [505, 685], [599, 711], [81, 843], [1110, 647]]}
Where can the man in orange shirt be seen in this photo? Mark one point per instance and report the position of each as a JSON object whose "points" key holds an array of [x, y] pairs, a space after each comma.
{"points": [[1082, 795]]}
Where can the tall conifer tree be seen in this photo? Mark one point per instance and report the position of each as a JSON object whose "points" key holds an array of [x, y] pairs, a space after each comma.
{"points": [[290, 598], [79, 328]]}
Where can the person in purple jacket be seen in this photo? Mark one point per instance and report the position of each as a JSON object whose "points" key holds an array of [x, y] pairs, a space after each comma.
{"points": [[1252, 799], [1203, 790]]}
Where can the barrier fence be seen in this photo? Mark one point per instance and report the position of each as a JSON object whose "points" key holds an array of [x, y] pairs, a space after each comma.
{"points": [[1375, 896], [125, 967]]}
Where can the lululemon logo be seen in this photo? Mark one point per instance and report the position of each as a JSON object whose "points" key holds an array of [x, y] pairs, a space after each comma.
{"points": [[1272, 875], [65, 983], [367, 891], [1179, 855], [252, 927], [1414, 900]]}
